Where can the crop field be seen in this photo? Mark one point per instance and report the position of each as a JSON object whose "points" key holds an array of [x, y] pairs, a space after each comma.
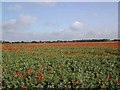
{"points": [[61, 65]]}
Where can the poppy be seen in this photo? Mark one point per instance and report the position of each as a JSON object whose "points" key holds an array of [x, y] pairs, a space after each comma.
{"points": [[116, 81], [78, 83], [42, 65], [19, 74], [38, 73], [61, 79], [110, 78], [103, 82], [40, 78], [27, 70], [31, 73], [22, 77]]}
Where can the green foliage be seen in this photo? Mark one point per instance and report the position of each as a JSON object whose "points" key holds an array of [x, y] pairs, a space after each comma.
{"points": [[58, 67]]}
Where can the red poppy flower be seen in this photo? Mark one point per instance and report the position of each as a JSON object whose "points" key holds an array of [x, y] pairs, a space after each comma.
{"points": [[27, 70], [31, 73], [110, 78], [61, 79], [103, 82], [22, 77], [38, 73], [116, 81], [19, 74], [78, 83], [40, 78], [42, 65]]}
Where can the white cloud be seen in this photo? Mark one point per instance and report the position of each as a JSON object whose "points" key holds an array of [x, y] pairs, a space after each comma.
{"points": [[77, 25], [62, 34], [20, 23], [98, 33]]}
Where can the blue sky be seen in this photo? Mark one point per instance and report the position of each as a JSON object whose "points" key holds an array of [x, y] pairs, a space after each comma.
{"points": [[59, 20]]}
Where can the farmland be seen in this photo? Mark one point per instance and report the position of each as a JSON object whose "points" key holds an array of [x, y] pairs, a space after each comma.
{"points": [[61, 65]]}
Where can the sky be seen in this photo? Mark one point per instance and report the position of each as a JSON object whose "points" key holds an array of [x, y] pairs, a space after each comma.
{"points": [[28, 21]]}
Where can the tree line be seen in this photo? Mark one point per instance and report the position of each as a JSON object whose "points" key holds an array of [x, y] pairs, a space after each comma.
{"points": [[64, 41]]}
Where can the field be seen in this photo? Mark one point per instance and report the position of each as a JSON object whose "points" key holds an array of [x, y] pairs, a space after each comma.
{"points": [[61, 65]]}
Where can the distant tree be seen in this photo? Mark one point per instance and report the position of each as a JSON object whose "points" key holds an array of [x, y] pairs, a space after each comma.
{"points": [[5, 42], [22, 42], [40, 41], [34, 42], [116, 40]]}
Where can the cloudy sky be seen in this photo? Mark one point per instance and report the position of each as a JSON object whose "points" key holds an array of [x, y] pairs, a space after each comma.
{"points": [[29, 21]]}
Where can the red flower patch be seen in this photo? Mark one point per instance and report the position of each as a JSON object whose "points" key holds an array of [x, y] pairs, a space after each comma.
{"points": [[38, 76], [19, 74]]}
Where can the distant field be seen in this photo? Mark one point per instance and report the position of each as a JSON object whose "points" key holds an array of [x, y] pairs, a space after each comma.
{"points": [[61, 65]]}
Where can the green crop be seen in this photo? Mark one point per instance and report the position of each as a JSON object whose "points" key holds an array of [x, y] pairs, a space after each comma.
{"points": [[61, 67]]}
